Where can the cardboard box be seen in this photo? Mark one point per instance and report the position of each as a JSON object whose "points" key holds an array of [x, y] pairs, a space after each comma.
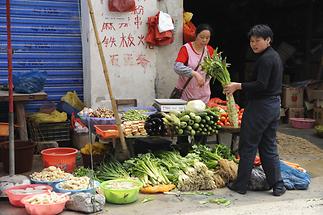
{"points": [[318, 116], [292, 97], [314, 91], [295, 112]]}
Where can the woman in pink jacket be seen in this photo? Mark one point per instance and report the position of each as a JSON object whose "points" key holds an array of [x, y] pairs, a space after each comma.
{"points": [[188, 62]]}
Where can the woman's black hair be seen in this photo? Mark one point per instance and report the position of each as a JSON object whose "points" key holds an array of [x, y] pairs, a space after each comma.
{"points": [[203, 27], [263, 31]]}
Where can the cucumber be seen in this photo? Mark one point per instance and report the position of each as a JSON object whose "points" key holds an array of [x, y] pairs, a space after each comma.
{"points": [[185, 118], [190, 122], [183, 124], [180, 131], [193, 132], [207, 118], [203, 114], [196, 126], [192, 115], [197, 119]]}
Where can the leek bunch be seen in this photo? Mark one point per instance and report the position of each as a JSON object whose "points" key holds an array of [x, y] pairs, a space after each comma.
{"points": [[217, 67]]}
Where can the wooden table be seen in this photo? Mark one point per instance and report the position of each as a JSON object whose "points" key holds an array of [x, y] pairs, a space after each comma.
{"points": [[19, 99]]}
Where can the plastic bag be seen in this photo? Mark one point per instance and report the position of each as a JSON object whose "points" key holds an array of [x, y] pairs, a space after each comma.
{"points": [[156, 38], [189, 32], [258, 179], [29, 82], [294, 179], [165, 22], [54, 116], [122, 5], [72, 99]]}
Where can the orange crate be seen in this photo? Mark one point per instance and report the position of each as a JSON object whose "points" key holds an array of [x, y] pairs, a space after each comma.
{"points": [[4, 129], [107, 131]]}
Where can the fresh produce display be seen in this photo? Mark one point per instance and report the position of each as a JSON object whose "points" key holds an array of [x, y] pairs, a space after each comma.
{"points": [[220, 105], [217, 67], [134, 128], [225, 121], [99, 112], [75, 183], [50, 173], [29, 190], [147, 169], [121, 191], [154, 125], [190, 123], [211, 157], [110, 170], [187, 172], [48, 198], [95, 148], [134, 115], [82, 171], [121, 185], [195, 106]]}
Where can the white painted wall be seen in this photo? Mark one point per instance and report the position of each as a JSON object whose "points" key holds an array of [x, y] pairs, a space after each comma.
{"points": [[136, 71]]}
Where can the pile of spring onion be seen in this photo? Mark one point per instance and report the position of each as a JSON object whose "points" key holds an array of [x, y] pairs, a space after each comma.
{"points": [[147, 169], [217, 67], [111, 170], [188, 173]]}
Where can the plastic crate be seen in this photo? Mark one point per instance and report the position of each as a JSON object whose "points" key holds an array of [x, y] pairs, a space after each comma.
{"points": [[107, 131], [58, 131]]}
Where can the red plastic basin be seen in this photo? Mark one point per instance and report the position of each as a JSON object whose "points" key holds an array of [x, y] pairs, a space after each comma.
{"points": [[44, 209], [63, 157], [302, 122], [15, 198]]}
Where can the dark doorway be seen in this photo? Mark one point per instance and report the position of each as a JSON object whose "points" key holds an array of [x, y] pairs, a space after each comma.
{"points": [[297, 26]]}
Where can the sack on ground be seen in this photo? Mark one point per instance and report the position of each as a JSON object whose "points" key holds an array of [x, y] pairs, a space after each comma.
{"points": [[176, 93], [258, 179], [294, 179]]}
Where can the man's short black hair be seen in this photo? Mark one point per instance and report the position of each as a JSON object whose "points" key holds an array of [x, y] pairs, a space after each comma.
{"points": [[263, 31]]}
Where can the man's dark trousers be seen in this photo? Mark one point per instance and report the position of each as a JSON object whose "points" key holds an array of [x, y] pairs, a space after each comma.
{"points": [[258, 131]]}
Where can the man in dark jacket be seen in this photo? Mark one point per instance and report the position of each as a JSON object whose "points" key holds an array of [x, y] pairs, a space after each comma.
{"points": [[261, 117]]}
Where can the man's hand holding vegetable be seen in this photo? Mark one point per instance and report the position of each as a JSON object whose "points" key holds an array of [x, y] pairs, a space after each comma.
{"points": [[231, 88]]}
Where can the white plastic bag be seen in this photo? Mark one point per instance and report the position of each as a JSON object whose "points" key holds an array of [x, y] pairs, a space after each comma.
{"points": [[165, 22]]}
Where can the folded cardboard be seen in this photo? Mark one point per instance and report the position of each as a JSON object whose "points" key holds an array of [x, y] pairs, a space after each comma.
{"points": [[292, 97], [314, 91], [295, 113]]}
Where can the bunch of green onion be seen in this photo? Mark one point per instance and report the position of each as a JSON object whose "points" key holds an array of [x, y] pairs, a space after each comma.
{"points": [[217, 67]]}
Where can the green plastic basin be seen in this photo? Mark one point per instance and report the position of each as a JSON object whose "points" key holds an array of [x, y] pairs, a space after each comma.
{"points": [[121, 196]]}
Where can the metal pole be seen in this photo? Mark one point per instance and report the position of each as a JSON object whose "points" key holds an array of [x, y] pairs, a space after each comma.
{"points": [[11, 114], [107, 79]]}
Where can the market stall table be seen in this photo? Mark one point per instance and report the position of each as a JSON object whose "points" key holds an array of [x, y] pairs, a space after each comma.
{"points": [[235, 132], [19, 100]]}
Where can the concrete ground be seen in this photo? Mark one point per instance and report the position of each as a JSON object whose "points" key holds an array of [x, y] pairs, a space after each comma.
{"points": [[296, 202]]}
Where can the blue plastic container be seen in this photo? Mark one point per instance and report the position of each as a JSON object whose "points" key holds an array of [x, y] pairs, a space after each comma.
{"points": [[90, 190], [96, 121], [50, 183]]}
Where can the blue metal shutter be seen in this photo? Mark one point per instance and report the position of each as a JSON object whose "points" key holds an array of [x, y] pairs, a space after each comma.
{"points": [[46, 36]]}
